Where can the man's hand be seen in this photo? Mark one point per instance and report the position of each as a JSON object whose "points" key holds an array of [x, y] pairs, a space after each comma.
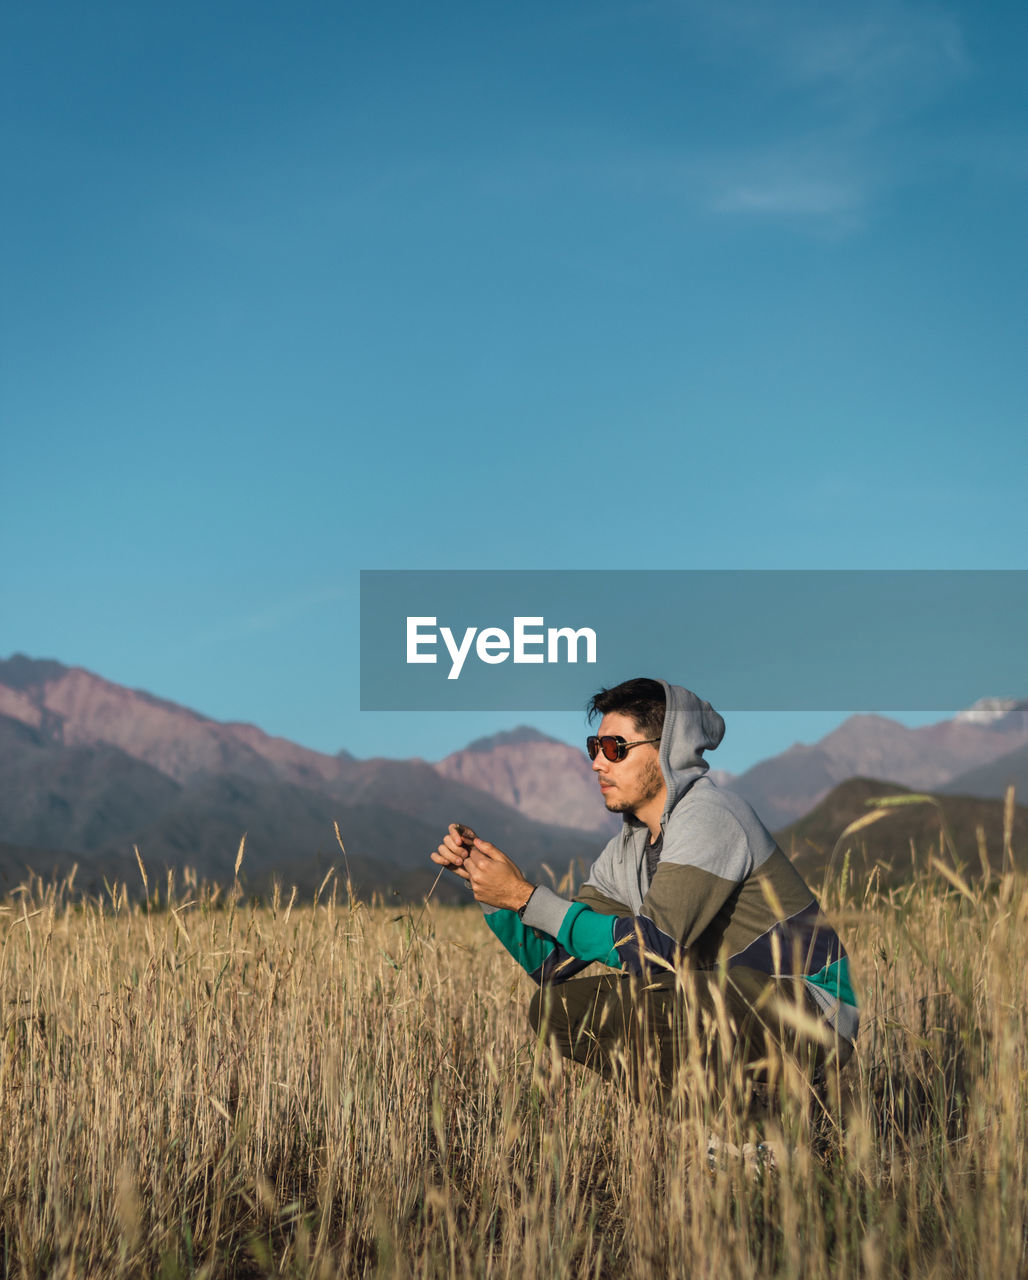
{"points": [[454, 850], [495, 880]]}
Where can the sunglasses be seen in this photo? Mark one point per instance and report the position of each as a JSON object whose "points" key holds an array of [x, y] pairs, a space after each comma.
{"points": [[613, 746]]}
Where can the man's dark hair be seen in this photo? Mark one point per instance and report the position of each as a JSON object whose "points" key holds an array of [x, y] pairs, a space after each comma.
{"points": [[643, 699]]}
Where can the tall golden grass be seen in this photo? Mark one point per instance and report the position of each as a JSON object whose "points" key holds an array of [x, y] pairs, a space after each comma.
{"points": [[197, 1086]]}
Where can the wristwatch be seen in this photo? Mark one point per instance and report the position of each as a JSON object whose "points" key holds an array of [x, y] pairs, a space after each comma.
{"points": [[524, 906]]}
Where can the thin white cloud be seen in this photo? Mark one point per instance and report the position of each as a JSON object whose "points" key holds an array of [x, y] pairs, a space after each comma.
{"points": [[815, 182], [894, 58], [833, 195], [881, 48], [838, 95], [846, 83], [790, 194]]}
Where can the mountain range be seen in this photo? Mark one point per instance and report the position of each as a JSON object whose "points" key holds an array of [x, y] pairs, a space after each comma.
{"points": [[979, 752], [89, 769]]}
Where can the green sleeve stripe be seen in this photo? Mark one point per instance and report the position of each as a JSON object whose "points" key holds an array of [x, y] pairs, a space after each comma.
{"points": [[589, 935], [529, 949], [835, 979]]}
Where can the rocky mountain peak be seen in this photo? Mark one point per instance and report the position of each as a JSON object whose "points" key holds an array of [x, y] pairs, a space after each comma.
{"points": [[509, 738], [541, 777], [23, 673]]}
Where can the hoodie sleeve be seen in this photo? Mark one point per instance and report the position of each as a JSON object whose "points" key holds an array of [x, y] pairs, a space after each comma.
{"points": [[704, 861], [584, 928], [540, 955], [559, 938]]}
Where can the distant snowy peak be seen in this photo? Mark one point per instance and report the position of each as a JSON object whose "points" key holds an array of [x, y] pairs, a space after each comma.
{"points": [[990, 711]]}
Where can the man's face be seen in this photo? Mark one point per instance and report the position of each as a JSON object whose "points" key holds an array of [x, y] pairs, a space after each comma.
{"points": [[628, 784]]}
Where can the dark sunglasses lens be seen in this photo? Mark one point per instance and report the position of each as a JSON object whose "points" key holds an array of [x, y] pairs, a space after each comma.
{"points": [[611, 748], [592, 746]]}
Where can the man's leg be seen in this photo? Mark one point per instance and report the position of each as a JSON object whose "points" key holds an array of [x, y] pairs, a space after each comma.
{"points": [[734, 1023], [783, 1013], [782, 1046], [611, 1023]]}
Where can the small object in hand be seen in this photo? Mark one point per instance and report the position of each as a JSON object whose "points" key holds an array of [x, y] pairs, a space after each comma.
{"points": [[467, 836]]}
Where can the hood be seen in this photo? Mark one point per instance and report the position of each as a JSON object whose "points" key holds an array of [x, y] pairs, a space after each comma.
{"points": [[691, 726]]}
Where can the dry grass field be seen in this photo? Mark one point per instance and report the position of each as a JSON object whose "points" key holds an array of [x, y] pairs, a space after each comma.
{"points": [[201, 1087]]}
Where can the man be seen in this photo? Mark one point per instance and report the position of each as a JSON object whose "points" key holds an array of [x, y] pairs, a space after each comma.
{"points": [[693, 882]]}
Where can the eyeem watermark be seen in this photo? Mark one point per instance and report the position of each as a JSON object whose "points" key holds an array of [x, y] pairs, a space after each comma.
{"points": [[746, 639], [492, 645]]}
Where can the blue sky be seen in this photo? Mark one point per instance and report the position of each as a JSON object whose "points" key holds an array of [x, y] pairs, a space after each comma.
{"points": [[294, 291]]}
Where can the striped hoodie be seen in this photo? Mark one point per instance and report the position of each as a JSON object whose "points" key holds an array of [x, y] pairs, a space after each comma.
{"points": [[722, 892]]}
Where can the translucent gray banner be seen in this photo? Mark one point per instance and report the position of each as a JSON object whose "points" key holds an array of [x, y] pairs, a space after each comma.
{"points": [[756, 640]]}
